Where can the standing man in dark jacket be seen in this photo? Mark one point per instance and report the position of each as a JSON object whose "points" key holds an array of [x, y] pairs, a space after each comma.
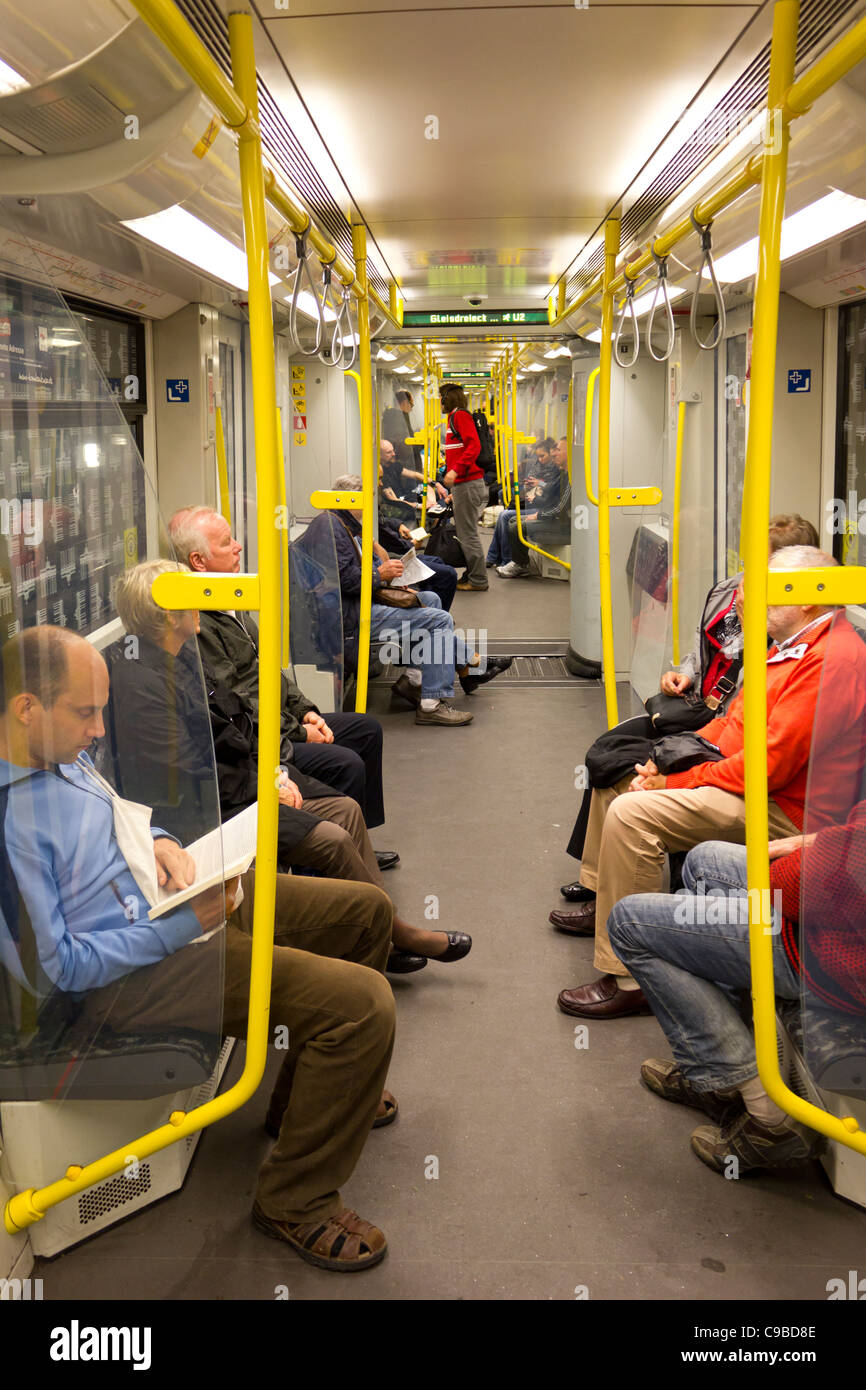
{"points": [[346, 752]]}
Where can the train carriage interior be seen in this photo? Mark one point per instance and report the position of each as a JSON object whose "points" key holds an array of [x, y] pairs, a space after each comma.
{"points": [[568, 300]]}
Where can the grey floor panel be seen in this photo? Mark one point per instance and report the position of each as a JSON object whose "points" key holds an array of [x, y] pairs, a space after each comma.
{"points": [[557, 1170]]}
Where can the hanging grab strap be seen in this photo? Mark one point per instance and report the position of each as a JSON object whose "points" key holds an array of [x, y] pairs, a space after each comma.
{"points": [[661, 288], [304, 269], [627, 307], [333, 356], [716, 337], [344, 330]]}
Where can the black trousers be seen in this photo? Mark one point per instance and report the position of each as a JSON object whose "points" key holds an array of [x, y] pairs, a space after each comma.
{"points": [[540, 532], [351, 765]]}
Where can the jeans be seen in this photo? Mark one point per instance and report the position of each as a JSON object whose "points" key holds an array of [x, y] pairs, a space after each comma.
{"points": [[424, 638], [442, 582], [499, 552], [688, 968]]}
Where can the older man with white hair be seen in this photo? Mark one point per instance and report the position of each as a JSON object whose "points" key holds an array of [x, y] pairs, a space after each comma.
{"points": [[344, 751]]}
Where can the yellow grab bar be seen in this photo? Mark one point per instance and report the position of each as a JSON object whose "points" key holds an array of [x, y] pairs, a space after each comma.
{"points": [[611, 248], [284, 542], [222, 467], [29, 1206], [675, 534], [587, 435], [368, 471], [756, 515]]}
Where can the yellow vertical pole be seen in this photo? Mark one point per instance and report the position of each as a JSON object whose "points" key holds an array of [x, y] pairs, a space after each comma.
{"points": [[514, 472], [611, 249], [222, 467], [368, 480], [756, 515], [675, 533], [286, 655], [428, 433], [264, 384]]}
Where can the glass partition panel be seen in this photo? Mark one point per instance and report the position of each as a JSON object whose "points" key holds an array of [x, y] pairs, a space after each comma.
{"points": [[316, 628], [107, 768], [824, 904]]}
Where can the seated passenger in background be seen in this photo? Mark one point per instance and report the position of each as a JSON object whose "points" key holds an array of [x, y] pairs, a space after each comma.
{"points": [[688, 953], [70, 884], [401, 491], [425, 632], [549, 523], [633, 823], [534, 472], [344, 752], [706, 682], [395, 539], [161, 742]]}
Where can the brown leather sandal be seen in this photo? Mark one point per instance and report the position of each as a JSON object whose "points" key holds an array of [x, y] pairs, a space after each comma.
{"points": [[391, 1108], [342, 1242]]}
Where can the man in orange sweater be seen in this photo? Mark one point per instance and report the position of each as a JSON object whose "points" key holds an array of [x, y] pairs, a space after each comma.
{"points": [[636, 821]]}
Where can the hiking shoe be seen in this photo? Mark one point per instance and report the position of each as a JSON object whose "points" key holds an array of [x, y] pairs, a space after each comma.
{"points": [[667, 1081], [404, 687], [342, 1242], [512, 570], [753, 1144], [442, 714]]}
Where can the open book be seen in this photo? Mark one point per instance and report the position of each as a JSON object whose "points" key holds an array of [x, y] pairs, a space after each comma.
{"points": [[222, 854]]}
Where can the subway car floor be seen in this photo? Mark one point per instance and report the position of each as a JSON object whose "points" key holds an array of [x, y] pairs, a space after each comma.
{"points": [[559, 1176]]}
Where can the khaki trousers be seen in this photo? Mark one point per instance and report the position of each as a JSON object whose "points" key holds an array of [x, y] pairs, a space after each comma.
{"points": [[629, 832], [339, 847], [336, 1005]]}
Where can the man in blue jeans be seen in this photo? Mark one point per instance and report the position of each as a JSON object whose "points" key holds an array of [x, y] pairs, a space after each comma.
{"points": [[689, 952]]}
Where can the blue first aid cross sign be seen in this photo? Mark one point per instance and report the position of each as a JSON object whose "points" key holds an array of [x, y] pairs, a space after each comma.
{"points": [[177, 388], [799, 380]]}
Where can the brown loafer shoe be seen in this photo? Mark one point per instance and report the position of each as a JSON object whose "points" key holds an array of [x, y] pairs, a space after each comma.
{"points": [[603, 998], [580, 922]]}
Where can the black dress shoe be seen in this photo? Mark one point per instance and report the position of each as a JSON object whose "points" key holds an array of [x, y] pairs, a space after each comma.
{"points": [[576, 893], [403, 963], [459, 945], [580, 922], [495, 666], [387, 859]]}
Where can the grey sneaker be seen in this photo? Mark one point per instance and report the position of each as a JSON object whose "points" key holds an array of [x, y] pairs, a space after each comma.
{"points": [[442, 714], [512, 570], [666, 1080], [753, 1144]]}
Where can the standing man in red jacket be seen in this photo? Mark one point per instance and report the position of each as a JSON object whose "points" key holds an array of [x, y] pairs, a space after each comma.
{"points": [[466, 482], [636, 821]]}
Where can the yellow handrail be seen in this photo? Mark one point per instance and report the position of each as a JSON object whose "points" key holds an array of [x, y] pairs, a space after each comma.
{"points": [[286, 659], [222, 467], [587, 435], [368, 474], [675, 534], [756, 513], [611, 248], [29, 1206]]}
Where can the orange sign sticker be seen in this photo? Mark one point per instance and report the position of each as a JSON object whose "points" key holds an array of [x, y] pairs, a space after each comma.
{"points": [[300, 438]]}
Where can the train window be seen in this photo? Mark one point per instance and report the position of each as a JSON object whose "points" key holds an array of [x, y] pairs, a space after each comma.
{"points": [[849, 537], [736, 423]]}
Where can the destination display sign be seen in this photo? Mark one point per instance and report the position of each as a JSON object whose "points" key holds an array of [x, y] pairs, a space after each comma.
{"points": [[473, 318]]}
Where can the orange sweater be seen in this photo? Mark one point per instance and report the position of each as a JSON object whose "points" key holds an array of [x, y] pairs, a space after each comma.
{"points": [[792, 697]]}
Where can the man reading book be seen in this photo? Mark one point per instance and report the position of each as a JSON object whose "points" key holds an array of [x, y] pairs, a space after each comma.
{"points": [[69, 926]]}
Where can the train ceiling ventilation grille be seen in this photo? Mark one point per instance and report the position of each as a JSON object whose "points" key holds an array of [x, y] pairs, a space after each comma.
{"points": [[817, 19], [279, 139]]}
